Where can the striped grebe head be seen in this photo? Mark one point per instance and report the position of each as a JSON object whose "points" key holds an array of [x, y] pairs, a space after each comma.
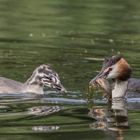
{"points": [[45, 76]]}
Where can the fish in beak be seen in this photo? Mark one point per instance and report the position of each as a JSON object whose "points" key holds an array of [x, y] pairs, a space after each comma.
{"points": [[98, 76]]}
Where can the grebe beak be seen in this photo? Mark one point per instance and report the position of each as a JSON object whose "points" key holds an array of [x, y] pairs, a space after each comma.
{"points": [[63, 90], [60, 88], [102, 74]]}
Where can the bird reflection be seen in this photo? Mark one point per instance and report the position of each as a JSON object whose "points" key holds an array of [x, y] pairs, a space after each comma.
{"points": [[113, 119], [44, 110], [45, 128]]}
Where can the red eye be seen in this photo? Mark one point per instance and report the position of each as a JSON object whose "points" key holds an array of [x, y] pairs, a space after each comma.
{"points": [[110, 69]]}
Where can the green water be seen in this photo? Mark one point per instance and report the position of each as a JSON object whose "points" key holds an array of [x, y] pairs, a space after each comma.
{"points": [[73, 36]]}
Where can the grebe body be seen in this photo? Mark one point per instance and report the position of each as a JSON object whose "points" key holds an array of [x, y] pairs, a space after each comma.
{"points": [[117, 69], [43, 76]]}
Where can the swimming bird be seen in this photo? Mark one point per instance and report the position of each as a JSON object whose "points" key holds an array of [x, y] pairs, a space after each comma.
{"points": [[43, 76], [117, 69]]}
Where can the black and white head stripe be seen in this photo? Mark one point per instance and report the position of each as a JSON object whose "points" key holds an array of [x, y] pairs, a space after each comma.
{"points": [[44, 75], [47, 75]]}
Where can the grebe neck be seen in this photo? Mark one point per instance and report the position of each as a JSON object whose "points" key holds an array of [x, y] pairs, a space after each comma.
{"points": [[33, 85], [120, 88]]}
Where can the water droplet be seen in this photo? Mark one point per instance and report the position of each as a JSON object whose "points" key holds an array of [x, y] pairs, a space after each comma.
{"points": [[31, 35], [43, 35], [111, 40]]}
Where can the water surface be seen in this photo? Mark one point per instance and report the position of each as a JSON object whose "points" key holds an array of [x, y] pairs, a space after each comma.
{"points": [[73, 36]]}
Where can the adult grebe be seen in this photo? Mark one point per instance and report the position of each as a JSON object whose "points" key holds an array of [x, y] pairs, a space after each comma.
{"points": [[42, 76], [117, 69]]}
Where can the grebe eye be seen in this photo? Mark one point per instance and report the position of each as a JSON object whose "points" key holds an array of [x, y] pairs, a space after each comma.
{"points": [[110, 69]]}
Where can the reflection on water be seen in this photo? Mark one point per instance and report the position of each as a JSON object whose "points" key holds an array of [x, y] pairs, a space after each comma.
{"points": [[27, 113], [113, 119], [45, 128], [74, 36], [43, 110]]}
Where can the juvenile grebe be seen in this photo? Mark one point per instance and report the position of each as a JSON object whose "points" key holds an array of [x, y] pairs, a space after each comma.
{"points": [[42, 76], [117, 69]]}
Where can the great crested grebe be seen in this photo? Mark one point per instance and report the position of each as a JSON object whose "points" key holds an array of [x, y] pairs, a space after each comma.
{"points": [[117, 69], [42, 76]]}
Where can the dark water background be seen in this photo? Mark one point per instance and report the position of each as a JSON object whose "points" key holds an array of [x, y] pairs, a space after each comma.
{"points": [[73, 36]]}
